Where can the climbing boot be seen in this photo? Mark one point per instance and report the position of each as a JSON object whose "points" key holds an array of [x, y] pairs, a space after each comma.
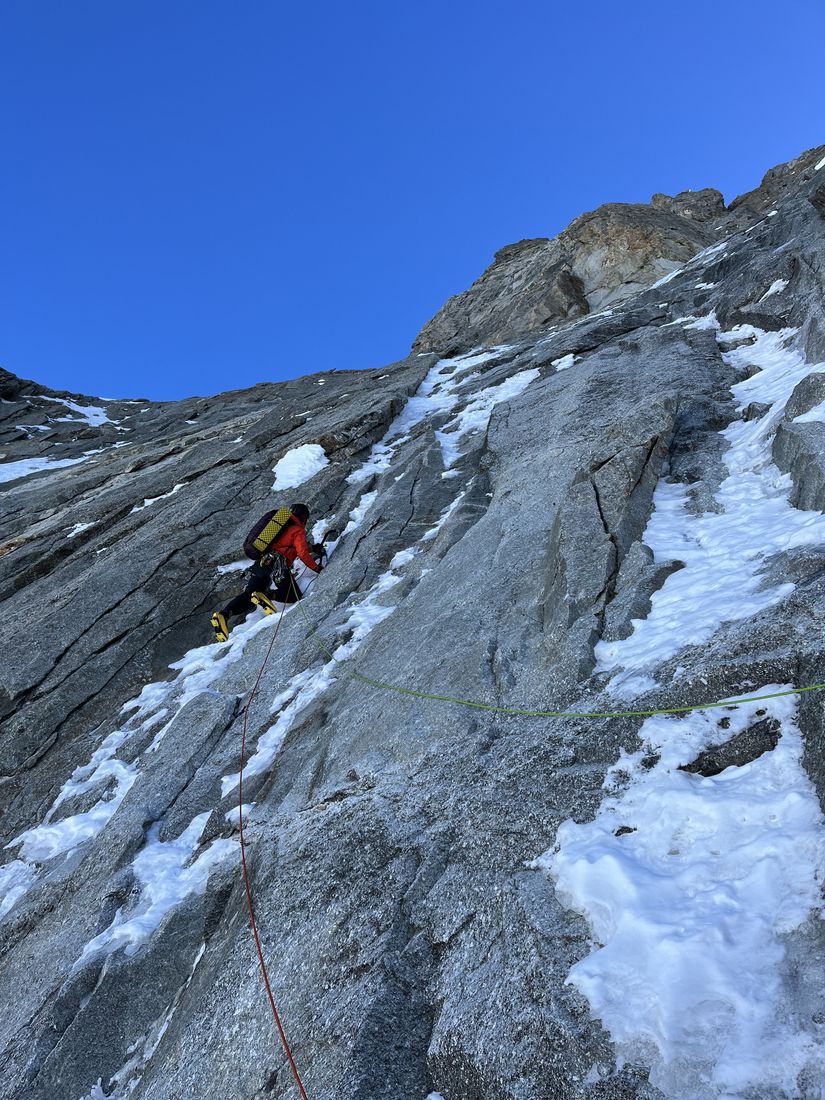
{"points": [[219, 626], [260, 599]]}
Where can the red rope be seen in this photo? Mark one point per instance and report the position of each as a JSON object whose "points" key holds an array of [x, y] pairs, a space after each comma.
{"points": [[246, 882]]}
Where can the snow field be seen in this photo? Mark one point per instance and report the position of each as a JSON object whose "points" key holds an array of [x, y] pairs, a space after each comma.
{"points": [[688, 909], [723, 552]]}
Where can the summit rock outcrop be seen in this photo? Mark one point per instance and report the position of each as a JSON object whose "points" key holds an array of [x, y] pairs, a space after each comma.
{"points": [[602, 258]]}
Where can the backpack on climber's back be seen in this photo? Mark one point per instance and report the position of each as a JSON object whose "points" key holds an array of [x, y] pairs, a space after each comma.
{"points": [[265, 532]]}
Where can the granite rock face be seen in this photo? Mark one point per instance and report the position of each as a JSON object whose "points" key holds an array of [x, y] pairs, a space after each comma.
{"points": [[497, 546]]}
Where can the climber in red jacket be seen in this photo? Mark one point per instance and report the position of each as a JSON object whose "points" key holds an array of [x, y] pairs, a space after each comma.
{"points": [[290, 545]]}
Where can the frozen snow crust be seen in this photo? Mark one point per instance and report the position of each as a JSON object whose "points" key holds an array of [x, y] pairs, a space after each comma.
{"points": [[690, 884], [454, 904]]}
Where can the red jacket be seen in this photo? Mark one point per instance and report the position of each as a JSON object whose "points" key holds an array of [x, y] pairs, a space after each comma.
{"points": [[292, 543]]}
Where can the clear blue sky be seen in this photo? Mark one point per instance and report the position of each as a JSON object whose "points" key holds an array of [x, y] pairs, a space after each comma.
{"points": [[196, 196]]}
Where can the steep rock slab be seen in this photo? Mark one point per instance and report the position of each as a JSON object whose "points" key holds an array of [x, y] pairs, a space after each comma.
{"points": [[414, 942]]}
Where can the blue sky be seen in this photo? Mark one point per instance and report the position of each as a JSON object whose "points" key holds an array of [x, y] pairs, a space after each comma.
{"points": [[197, 196]]}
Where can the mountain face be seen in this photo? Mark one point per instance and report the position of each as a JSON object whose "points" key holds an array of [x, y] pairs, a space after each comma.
{"points": [[595, 487]]}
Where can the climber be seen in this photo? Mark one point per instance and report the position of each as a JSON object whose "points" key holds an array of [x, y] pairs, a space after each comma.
{"points": [[276, 541]]}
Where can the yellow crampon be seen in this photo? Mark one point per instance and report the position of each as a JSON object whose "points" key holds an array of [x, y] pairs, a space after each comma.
{"points": [[260, 599], [219, 626]]}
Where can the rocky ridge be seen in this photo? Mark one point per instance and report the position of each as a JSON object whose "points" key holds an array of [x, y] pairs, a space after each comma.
{"points": [[602, 258], [564, 499]]}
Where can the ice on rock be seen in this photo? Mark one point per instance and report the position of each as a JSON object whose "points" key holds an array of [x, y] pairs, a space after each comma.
{"points": [[475, 416], [166, 877], [436, 394], [306, 686]]}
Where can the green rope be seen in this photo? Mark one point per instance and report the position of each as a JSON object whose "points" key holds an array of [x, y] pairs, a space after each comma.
{"points": [[525, 713]]}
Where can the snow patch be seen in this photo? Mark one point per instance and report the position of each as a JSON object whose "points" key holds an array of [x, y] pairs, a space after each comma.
{"points": [[96, 1092], [666, 278], [475, 416], [149, 501], [357, 514], [16, 879], [403, 557], [233, 816], [78, 529], [11, 471], [722, 552], [816, 415], [234, 567], [445, 515], [167, 877], [775, 288], [298, 465], [92, 414], [689, 904]]}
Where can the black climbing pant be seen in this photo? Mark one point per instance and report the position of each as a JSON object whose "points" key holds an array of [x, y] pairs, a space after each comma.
{"points": [[260, 580]]}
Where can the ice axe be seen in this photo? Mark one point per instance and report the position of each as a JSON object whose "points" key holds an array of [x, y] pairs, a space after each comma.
{"points": [[320, 548]]}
